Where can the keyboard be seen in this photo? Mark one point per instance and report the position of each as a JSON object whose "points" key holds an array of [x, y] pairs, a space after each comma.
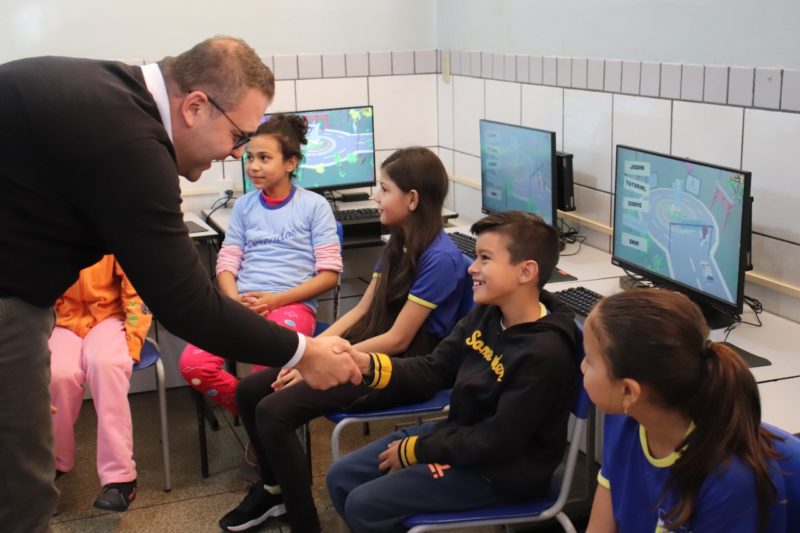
{"points": [[465, 243], [361, 214], [580, 299]]}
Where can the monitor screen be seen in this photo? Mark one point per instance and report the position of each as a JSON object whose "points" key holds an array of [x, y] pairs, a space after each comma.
{"points": [[518, 169], [340, 153], [684, 224]]}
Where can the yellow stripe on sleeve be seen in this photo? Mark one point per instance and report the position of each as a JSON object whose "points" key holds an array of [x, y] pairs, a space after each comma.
{"points": [[382, 364], [421, 302], [409, 451], [602, 481]]}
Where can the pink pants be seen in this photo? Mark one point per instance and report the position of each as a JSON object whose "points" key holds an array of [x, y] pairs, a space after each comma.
{"points": [[102, 360], [206, 372]]}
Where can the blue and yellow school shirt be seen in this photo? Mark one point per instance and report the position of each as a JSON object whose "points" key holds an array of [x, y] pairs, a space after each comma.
{"points": [[727, 500], [279, 240], [442, 285]]}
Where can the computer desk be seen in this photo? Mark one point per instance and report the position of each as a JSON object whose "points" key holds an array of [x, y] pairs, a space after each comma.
{"points": [[356, 235], [777, 403]]}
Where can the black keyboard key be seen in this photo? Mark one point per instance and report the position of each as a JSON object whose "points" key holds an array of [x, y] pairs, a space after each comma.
{"points": [[465, 243], [580, 299], [361, 214]]}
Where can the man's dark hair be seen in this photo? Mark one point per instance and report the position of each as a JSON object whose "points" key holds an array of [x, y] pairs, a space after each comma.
{"points": [[223, 67]]}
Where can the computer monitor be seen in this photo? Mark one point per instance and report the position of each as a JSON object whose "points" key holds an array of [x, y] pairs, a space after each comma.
{"points": [[518, 168], [340, 153], [685, 225]]}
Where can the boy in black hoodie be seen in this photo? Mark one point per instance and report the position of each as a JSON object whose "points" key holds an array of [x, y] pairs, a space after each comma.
{"points": [[512, 365]]}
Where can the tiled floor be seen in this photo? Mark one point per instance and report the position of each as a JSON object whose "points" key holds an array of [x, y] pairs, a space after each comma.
{"points": [[194, 504]]}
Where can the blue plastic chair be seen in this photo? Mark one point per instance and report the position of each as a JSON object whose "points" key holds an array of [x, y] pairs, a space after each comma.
{"points": [[436, 405], [151, 356], [524, 512], [789, 462]]}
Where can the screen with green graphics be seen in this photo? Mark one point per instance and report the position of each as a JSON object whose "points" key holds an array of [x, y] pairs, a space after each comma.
{"points": [[340, 153]]}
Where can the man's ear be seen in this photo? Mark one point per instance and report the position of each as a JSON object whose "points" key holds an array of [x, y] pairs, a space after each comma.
{"points": [[191, 107], [529, 271], [413, 199]]}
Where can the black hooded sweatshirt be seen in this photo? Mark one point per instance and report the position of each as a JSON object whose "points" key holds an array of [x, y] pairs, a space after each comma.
{"points": [[513, 390]]}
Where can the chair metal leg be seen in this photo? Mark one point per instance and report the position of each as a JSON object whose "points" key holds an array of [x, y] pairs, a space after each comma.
{"points": [[337, 432], [162, 406], [201, 431], [565, 522]]}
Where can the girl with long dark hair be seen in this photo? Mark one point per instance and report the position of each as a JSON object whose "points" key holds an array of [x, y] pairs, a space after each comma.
{"points": [[419, 289], [690, 454]]}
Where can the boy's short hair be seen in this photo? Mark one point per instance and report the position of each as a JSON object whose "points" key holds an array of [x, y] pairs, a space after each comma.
{"points": [[529, 238]]}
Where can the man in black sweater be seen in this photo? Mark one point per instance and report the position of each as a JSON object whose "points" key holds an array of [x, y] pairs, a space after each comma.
{"points": [[90, 153]]}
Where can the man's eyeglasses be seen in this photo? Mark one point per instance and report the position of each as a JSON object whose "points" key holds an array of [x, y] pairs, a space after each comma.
{"points": [[242, 137]]}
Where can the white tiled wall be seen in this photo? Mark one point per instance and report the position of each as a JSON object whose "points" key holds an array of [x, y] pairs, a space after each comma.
{"points": [[589, 124], [708, 132], [405, 110], [587, 135], [468, 106], [542, 107], [771, 151], [325, 93], [503, 101], [723, 115]]}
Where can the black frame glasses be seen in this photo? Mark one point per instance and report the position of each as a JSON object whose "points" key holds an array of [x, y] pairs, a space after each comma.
{"points": [[242, 137]]}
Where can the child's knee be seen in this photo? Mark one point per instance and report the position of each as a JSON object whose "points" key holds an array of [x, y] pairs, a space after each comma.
{"points": [[359, 510], [197, 363]]}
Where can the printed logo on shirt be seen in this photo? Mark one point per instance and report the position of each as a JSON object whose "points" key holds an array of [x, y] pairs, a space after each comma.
{"points": [[487, 353], [285, 235], [437, 470]]}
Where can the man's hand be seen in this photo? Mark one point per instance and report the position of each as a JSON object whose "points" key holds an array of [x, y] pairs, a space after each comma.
{"points": [[326, 363], [390, 458]]}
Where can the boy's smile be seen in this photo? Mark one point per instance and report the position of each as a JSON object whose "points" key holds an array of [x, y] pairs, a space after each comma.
{"points": [[494, 277]]}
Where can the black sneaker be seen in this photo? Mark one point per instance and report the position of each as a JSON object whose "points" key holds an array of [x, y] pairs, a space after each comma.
{"points": [[116, 496], [255, 509]]}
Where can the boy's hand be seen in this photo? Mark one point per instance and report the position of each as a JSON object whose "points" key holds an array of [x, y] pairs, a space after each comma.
{"points": [[286, 378], [390, 458], [362, 360]]}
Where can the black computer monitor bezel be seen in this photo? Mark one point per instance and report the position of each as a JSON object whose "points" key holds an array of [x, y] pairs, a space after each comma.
{"points": [[553, 168], [704, 299], [353, 185]]}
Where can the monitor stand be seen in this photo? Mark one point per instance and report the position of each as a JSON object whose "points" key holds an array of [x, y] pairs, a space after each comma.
{"points": [[751, 359], [715, 318]]}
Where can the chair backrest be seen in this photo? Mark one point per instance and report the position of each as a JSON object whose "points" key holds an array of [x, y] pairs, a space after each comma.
{"points": [[340, 233], [467, 301], [582, 403], [788, 447], [581, 412]]}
